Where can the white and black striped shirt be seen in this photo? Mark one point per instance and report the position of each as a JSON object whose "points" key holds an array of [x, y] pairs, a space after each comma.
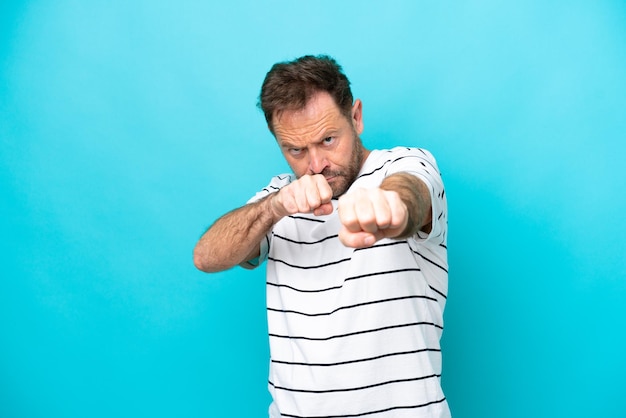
{"points": [[355, 332]]}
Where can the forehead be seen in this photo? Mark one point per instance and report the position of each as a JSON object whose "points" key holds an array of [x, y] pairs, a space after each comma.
{"points": [[320, 115]]}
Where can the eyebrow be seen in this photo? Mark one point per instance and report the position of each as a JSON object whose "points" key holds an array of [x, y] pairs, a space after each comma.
{"points": [[287, 144], [330, 132]]}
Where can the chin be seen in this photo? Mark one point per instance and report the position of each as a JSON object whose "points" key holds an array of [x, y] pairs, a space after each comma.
{"points": [[339, 189]]}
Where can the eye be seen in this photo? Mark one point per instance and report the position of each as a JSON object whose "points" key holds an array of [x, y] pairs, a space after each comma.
{"points": [[295, 151], [328, 140]]}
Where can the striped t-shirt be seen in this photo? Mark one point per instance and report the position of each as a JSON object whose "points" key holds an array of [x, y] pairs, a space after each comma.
{"points": [[355, 332]]}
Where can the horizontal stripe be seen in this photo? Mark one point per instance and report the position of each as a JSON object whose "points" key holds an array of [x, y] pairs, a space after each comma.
{"points": [[382, 245], [270, 189], [391, 161], [361, 276], [358, 305], [412, 324], [387, 244], [306, 219], [445, 296], [389, 382], [362, 414], [438, 292], [430, 261], [379, 273], [303, 290], [305, 242], [343, 260], [341, 363]]}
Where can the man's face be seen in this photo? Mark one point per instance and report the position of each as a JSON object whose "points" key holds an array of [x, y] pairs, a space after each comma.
{"points": [[319, 139]]}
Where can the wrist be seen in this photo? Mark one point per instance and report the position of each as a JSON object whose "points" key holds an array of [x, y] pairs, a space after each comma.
{"points": [[416, 198], [275, 208]]}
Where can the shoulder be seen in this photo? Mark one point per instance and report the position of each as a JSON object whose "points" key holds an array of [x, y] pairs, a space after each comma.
{"points": [[389, 161], [275, 184], [410, 152]]}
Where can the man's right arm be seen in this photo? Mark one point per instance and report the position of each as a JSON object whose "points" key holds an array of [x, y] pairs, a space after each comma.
{"points": [[235, 237]]}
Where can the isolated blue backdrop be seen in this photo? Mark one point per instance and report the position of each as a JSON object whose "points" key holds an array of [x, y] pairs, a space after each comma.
{"points": [[127, 127]]}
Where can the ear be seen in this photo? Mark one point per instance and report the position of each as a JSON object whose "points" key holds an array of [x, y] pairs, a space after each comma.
{"points": [[357, 116]]}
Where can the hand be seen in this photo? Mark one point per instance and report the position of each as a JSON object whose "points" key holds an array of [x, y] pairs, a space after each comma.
{"points": [[305, 195], [368, 215]]}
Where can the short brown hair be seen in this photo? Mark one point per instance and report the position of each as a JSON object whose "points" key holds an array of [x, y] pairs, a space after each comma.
{"points": [[289, 85]]}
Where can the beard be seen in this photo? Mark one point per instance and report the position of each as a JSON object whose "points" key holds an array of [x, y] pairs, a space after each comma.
{"points": [[344, 178]]}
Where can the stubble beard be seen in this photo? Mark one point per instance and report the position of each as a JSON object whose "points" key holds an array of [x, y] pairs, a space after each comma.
{"points": [[345, 178]]}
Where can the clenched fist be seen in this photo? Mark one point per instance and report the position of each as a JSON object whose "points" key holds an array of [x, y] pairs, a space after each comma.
{"points": [[305, 195], [368, 215]]}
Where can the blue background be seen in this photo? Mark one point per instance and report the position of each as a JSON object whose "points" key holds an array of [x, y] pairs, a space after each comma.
{"points": [[127, 127]]}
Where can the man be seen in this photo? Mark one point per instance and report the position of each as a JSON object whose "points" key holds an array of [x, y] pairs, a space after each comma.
{"points": [[355, 242]]}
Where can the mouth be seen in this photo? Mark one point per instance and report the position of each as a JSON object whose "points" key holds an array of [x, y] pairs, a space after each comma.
{"points": [[331, 175]]}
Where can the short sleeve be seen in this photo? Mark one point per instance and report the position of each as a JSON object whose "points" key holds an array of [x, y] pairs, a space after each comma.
{"points": [[422, 164], [275, 185]]}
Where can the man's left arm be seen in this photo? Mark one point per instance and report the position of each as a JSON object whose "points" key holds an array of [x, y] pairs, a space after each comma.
{"points": [[399, 208]]}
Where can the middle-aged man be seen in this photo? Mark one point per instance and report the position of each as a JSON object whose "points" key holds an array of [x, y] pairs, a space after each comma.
{"points": [[355, 243]]}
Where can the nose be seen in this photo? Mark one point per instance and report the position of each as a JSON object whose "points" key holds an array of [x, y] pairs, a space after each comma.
{"points": [[317, 161]]}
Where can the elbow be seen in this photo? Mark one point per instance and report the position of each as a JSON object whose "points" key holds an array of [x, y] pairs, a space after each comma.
{"points": [[203, 262], [210, 261], [199, 262]]}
